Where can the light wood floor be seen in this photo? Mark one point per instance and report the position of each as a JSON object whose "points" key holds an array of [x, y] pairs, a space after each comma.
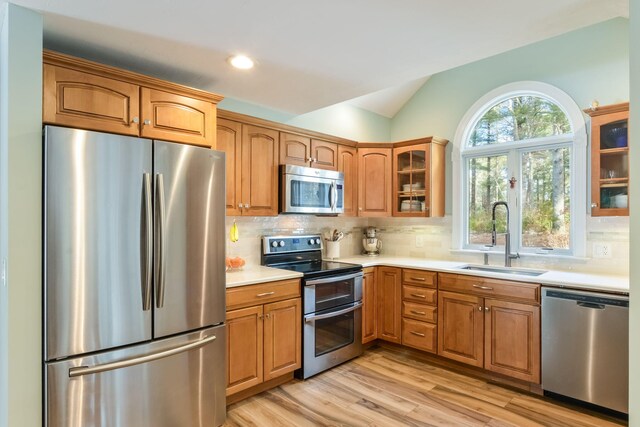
{"points": [[387, 388]]}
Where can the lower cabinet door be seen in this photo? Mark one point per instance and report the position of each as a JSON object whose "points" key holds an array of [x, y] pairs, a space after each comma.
{"points": [[512, 339], [389, 296], [460, 327], [282, 338], [420, 335], [244, 349], [369, 330]]}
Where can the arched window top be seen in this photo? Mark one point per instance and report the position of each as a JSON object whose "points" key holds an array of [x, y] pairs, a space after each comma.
{"points": [[518, 118]]}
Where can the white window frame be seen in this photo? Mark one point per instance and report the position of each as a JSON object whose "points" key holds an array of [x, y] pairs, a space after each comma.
{"points": [[578, 166]]}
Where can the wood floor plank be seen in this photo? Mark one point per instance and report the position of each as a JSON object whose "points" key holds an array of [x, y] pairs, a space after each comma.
{"points": [[384, 388]]}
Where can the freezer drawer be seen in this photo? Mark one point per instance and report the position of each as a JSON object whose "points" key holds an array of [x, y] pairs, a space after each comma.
{"points": [[167, 383]]}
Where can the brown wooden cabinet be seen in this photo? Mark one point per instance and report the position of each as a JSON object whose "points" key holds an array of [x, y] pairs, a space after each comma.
{"points": [[304, 151], [251, 168], [88, 95], [418, 178], [610, 160], [374, 181], [490, 323], [369, 309], [348, 165], [419, 310], [389, 297], [264, 336]]}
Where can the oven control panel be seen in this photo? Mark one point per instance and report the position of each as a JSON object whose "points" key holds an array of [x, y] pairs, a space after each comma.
{"points": [[284, 244]]}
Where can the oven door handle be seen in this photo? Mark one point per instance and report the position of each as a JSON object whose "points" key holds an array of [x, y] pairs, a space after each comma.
{"points": [[333, 279], [313, 318]]}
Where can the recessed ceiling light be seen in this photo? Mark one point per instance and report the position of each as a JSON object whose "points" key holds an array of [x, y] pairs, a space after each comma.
{"points": [[241, 62]]}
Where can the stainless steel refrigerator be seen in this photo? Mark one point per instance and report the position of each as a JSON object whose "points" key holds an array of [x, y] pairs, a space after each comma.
{"points": [[134, 285]]}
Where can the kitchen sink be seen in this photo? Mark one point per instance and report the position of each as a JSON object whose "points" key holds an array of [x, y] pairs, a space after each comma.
{"points": [[502, 270]]}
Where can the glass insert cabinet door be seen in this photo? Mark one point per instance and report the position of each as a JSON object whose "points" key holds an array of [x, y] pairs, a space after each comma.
{"points": [[610, 160], [411, 181]]}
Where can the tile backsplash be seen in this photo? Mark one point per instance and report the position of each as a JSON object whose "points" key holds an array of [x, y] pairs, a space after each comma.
{"points": [[429, 238]]}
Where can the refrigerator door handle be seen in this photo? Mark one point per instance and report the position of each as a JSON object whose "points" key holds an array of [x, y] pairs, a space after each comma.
{"points": [[88, 370], [160, 237], [147, 243]]}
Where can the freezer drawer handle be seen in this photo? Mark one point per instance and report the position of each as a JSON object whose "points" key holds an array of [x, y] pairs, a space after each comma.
{"points": [[88, 370], [313, 318]]}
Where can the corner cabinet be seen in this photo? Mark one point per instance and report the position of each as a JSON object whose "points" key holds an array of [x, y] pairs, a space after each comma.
{"points": [[251, 168], [609, 160], [88, 95], [374, 181], [418, 178]]}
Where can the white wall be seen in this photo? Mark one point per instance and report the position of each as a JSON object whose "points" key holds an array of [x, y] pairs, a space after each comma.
{"points": [[21, 217], [634, 229]]}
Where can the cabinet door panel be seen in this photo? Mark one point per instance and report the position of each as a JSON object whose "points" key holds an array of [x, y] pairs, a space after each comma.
{"points": [[369, 309], [325, 155], [512, 339], [389, 294], [259, 170], [294, 149], [282, 338], [348, 165], [86, 101], [228, 139], [244, 349], [460, 327], [374, 182], [177, 118]]}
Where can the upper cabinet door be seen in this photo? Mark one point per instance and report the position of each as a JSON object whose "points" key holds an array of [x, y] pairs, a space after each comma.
{"points": [[324, 155], [295, 150], [348, 165], [172, 117], [86, 101], [259, 171], [229, 140], [374, 178]]}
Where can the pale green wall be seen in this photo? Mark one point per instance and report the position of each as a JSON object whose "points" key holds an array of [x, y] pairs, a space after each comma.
{"points": [[340, 120], [634, 222], [591, 63], [21, 217]]}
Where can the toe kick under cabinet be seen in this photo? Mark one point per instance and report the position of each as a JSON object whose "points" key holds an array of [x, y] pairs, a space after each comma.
{"points": [[489, 323]]}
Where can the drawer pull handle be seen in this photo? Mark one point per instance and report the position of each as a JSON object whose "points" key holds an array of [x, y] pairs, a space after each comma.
{"points": [[418, 279], [417, 333], [418, 295], [265, 294], [421, 313], [484, 288]]}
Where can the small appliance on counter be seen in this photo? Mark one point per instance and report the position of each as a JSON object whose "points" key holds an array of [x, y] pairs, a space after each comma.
{"points": [[371, 243]]}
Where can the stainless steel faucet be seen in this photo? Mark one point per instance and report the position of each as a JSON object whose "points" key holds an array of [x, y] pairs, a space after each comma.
{"points": [[508, 256]]}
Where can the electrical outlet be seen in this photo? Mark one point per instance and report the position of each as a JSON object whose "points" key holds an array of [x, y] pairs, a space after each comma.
{"points": [[602, 250], [419, 241]]}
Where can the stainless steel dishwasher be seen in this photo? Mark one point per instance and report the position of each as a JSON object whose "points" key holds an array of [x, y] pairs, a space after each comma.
{"points": [[585, 347]]}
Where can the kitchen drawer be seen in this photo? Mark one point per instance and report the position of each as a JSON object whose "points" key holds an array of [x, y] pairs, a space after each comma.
{"points": [[490, 288], [419, 278], [419, 294], [246, 296], [420, 335], [426, 313]]}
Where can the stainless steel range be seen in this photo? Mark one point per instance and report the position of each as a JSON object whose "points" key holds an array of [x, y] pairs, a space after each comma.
{"points": [[332, 300]]}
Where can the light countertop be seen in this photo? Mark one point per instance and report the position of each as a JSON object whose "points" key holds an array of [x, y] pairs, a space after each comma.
{"points": [[594, 282], [257, 274]]}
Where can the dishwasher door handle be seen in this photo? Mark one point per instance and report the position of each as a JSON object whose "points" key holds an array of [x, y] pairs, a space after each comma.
{"points": [[590, 305]]}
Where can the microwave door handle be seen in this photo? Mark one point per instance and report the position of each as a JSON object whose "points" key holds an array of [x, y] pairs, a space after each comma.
{"points": [[334, 195], [313, 318]]}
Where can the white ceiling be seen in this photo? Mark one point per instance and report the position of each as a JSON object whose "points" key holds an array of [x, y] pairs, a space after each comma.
{"points": [[310, 54]]}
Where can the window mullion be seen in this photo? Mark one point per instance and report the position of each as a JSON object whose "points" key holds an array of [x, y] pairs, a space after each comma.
{"points": [[513, 198]]}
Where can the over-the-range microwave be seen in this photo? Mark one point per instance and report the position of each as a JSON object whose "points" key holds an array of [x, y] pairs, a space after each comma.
{"points": [[311, 191]]}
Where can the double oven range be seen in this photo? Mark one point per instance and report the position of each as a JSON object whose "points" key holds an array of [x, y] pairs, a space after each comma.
{"points": [[332, 300]]}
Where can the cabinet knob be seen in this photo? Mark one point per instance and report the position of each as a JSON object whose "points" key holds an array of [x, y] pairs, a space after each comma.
{"points": [[147, 122], [487, 309], [135, 120], [479, 308], [239, 205], [594, 205], [246, 205]]}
